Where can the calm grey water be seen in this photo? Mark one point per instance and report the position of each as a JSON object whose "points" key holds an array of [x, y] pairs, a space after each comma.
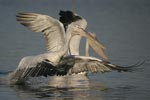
{"points": [[123, 26]]}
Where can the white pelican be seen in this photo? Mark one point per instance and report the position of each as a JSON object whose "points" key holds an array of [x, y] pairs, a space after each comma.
{"points": [[67, 17], [55, 62]]}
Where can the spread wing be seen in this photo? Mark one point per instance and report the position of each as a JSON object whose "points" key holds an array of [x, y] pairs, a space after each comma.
{"points": [[34, 66], [51, 28], [42, 68], [93, 65], [68, 65]]}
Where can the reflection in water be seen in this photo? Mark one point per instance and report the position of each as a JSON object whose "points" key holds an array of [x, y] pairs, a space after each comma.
{"points": [[80, 80], [75, 87], [71, 81], [58, 88], [51, 93]]}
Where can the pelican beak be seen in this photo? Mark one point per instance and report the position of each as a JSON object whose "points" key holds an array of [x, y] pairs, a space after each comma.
{"points": [[91, 37], [95, 44], [86, 34]]}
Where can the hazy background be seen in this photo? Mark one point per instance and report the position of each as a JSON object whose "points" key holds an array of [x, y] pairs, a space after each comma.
{"points": [[123, 26]]}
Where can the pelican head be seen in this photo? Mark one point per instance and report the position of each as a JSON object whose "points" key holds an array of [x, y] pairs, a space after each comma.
{"points": [[68, 17]]}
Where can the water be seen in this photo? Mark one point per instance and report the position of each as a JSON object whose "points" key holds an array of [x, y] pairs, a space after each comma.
{"points": [[121, 25]]}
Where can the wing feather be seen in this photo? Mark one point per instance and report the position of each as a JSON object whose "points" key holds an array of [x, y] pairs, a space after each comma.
{"points": [[51, 28], [93, 65]]}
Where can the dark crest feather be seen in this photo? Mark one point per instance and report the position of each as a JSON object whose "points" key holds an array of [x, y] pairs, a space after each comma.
{"points": [[67, 17]]}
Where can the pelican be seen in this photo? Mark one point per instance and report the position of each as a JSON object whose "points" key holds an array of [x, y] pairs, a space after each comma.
{"points": [[67, 17], [55, 62]]}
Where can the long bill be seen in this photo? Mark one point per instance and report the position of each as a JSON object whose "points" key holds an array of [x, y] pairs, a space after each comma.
{"points": [[95, 44]]}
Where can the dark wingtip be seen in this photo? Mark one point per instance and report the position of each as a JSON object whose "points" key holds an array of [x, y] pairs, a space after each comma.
{"points": [[130, 68]]}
